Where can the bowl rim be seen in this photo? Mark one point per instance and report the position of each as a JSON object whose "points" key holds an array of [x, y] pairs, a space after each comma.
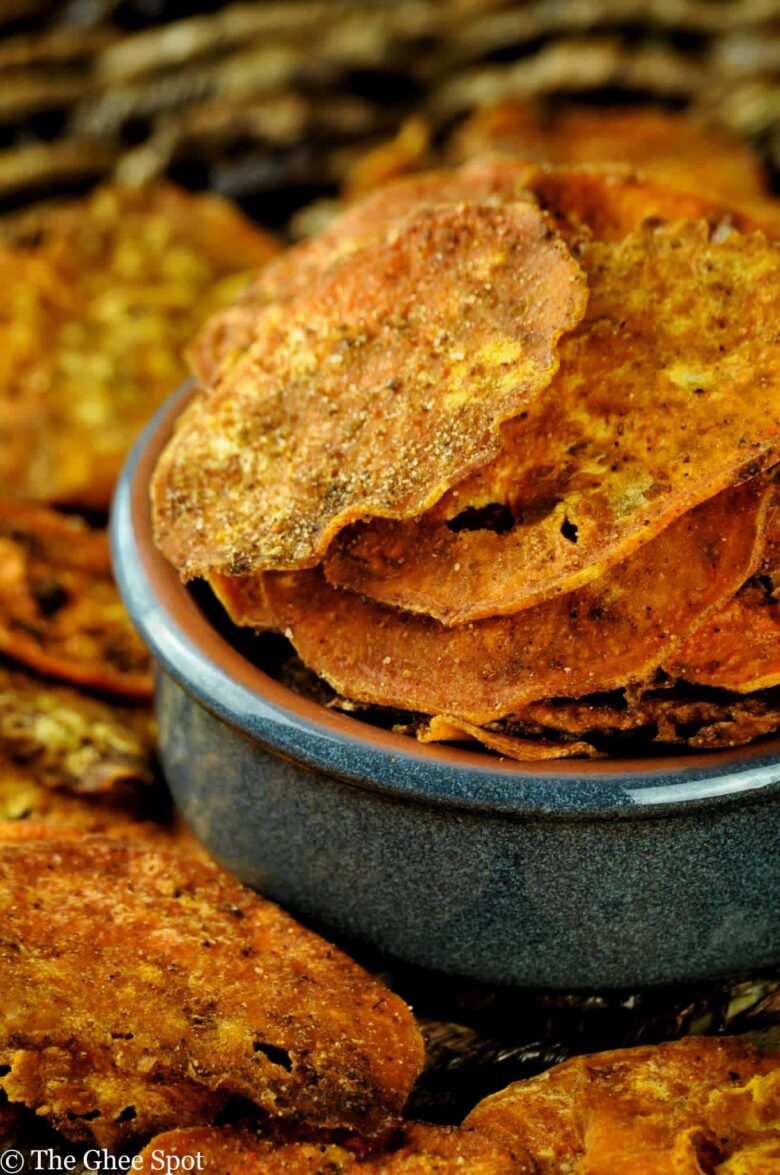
{"points": [[204, 663]]}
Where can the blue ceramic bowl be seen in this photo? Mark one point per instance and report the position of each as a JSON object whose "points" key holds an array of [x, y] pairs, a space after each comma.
{"points": [[560, 875]]}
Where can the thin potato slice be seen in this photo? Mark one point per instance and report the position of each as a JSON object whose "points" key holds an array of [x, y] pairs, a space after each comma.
{"points": [[614, 631], [197, 989], [73, 741], [670, 716], [668, 391], [60, 612], [675, 148], [416, 1149], [650, 1110], [505, 742], [229, 333], [99, 308], [431, 340], [737, 648]]}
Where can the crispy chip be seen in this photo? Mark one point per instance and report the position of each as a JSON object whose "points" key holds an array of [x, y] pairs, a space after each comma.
{"points": [[667, 391], [429, 340], [197, 989], [93, 319], [417, 1149], [613, 631], [229, 333], [60, 612], [669, 716], [738, 648], [673, 147], [30, 810], [515, 746], [70, 740], [686, 1106]]}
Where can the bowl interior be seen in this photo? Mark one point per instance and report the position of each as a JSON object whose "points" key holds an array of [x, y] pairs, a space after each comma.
{"points": [[219, 676]]}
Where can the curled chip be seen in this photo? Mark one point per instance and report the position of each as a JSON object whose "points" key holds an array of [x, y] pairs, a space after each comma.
{"points": [[60, 612], [738, 647], [613, 631], [416, 1149], [198, 989], [70, 740], [94, 315], [668, 391], [229, 333], [670, 715], [429, 340], [693, 1105], [513, 744], [673, 147]]}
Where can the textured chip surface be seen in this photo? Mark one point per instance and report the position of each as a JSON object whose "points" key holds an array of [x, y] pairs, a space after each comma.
{"points": [[230, 332], [615, 630], [416, 1149], [694, 1106], [60, 612], [668, 390], [197, 989], [420, 345], [94, 316]]}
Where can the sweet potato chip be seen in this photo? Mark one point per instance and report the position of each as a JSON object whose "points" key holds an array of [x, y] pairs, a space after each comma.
{"points": [[613, 631], [687, 1106], [70, 740], [668, 391], [429, 340], [504, 741], [229, 333], [60, 612], [416, 1149], [669, 716], [93, 319], [677, 149], [738, 647], [197, 989], [32, 811]]}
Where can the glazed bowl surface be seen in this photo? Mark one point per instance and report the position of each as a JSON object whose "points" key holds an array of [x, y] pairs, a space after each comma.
{"points": [[567, 875]]}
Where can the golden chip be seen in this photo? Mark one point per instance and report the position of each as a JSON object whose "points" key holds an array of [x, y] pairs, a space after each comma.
{"points": [[689, 1106], [430, 340], [228, 334], [416, 1149], [673, 147], [70, 740], [197, 989], [668, 391], [442, 729], [93, 319], [615, 630], [60, 612]]}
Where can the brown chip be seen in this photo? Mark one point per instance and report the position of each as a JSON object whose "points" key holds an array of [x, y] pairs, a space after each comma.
{"points": [[672, 147], [416, 1149], [669, 716], [241, 596], [668, 390], [32, 811], [70, 740], [228, 334], [94, 315], [197, 989], [738, 647], [693, 1105], [427, 341], [613, 631], [60, 612], [441, 729]]}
